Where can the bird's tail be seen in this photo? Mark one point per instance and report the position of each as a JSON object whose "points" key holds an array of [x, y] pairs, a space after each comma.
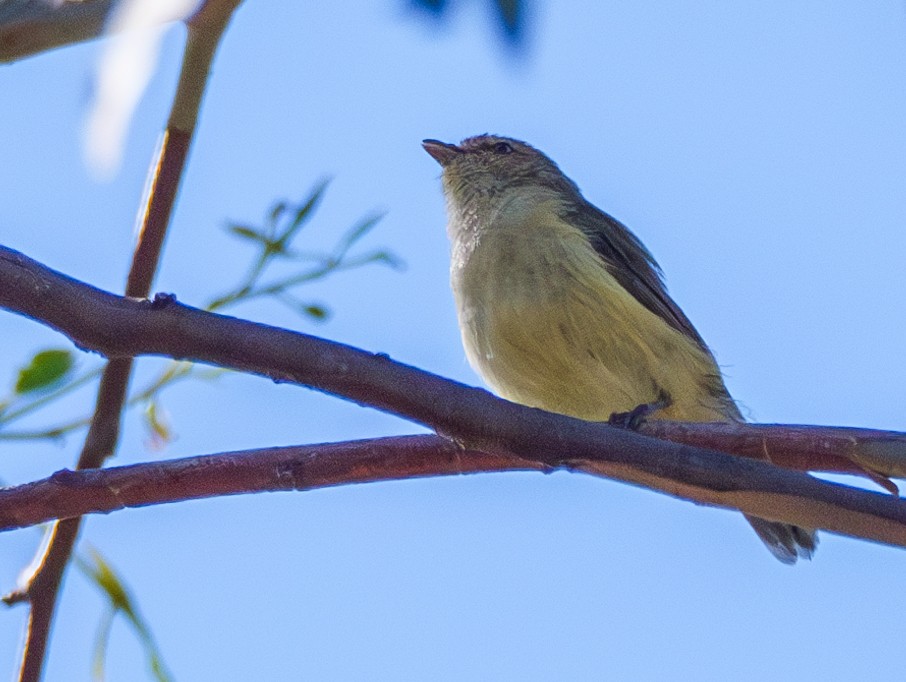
{"points": [[787, 542]]}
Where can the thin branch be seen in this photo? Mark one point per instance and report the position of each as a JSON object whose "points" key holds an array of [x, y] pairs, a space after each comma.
{"points": [[124, 327], [871, 453], [68, 494], [205, 30]]}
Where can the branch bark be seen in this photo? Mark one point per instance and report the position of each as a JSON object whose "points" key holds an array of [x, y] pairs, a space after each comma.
{"points": [[123, 327], [28, 27], [68, 494], [871, 453]]}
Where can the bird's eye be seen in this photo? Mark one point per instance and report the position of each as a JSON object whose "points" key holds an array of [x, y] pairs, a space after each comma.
{"points": [[503, 148]]}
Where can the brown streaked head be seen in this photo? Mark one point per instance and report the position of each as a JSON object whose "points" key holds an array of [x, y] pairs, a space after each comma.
{"points": [[490, 164]]}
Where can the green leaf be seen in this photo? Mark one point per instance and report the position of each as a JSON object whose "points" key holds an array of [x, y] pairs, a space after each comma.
{"points": [[157, 422], [103, 575], [387, 258], [248, 233], [45, 369], [355, 233], [276, 212], [304, 212], [101, 640], [316, 311]]}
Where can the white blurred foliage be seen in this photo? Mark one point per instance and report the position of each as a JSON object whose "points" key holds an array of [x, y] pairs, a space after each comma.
{"points": [[135, 29]]}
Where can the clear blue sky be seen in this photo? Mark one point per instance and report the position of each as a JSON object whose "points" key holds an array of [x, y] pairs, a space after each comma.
{"points": [[758, 148]]}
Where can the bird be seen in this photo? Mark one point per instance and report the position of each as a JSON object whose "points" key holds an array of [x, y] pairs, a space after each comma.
{"points": [[561, 307]]}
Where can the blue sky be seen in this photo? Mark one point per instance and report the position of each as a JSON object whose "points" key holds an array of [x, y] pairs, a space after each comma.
{"points": [[759, 150]]}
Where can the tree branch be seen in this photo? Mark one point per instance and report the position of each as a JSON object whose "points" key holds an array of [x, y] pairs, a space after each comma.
{"points": [[123, 327], [205, 30], [28, 27], [68, 494], [864, 452]]}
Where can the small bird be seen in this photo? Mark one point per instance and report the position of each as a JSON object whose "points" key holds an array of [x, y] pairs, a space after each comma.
{"points": [[561, 307]]}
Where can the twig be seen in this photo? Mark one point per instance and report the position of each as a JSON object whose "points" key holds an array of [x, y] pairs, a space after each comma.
{"points": [[40, 590], [123, 327]]}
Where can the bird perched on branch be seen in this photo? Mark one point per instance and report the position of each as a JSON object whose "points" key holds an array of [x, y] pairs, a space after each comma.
{"points": [[561, 307]]}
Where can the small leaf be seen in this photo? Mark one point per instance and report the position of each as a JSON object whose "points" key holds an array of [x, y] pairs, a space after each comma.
{"points": [[105, 578], [355, 233], [102, 574], [304, 212], [248, 233], [45, 369], [316, 311], [387, 258], [158, 422], [101, 642], [276, 212]]}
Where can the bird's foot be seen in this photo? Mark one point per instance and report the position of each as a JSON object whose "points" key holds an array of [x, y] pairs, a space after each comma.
{"points": [[638, 415]]}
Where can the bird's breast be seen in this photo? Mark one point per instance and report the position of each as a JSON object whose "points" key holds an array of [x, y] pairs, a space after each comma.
{"points": [[546, 325]]}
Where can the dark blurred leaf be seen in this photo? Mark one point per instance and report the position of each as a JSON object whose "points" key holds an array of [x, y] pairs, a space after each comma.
{"points": [[45, 369], [509, 14], [436, 6], [512, 17]]}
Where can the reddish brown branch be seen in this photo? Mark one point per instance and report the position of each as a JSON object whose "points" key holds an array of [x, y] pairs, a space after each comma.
{"points": [[122, 327], [68, 494], [41, 588], [864, 452], [28, 28]]}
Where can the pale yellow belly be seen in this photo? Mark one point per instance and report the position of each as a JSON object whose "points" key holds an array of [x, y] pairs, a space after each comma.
{"points": [[549, 330], [576, 363]]}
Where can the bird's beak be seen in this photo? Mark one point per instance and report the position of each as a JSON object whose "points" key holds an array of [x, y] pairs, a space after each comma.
{"points": [[442, 152]]}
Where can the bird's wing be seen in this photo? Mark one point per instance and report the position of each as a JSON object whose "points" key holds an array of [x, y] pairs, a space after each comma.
{"points": [[635, 269], [631, 264]]}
